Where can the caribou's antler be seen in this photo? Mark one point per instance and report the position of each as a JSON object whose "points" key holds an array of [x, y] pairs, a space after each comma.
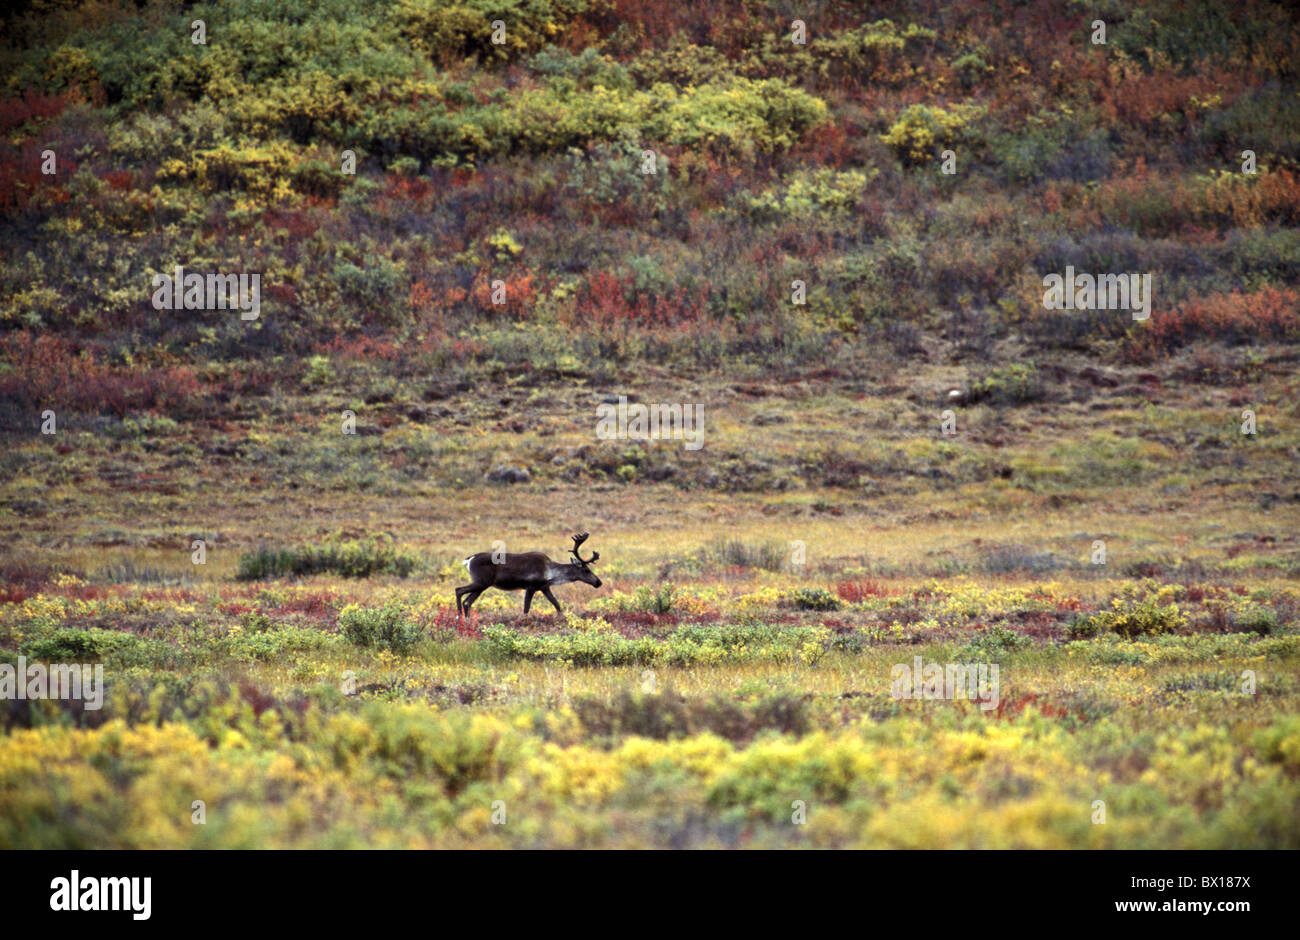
{"points": [[577, 541]]}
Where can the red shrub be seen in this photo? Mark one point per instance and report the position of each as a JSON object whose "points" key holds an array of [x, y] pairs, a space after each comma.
{"points": [[728, 25], [120, 179], [319, 606], [854, 591], [1271, 313], [48, 371], [608, 301], [15, 112], [21, 177], [11, 594], [519, 294], [363, 348]]}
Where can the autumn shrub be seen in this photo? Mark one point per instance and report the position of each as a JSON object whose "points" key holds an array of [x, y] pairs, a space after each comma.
{"points": [[681, 63], [855, 592], [881, 52], [1268, 196], [820, 190], [1271, 314], [922, 130], [1279, 742], [30, 108], [263, 170], [49, 372], [448, 32]]}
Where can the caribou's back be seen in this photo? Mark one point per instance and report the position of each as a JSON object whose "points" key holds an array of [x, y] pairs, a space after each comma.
{"points": [[514, 571]]}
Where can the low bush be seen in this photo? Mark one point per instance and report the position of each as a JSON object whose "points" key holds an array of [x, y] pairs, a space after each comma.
{"points": [[1144, 618], [381, 627], [351, 559], [665, 715], [813, 599], [1016, 384], [768, 556]]}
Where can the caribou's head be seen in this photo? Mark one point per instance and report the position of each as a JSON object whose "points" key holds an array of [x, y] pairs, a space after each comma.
{"points": [[583, 565]]}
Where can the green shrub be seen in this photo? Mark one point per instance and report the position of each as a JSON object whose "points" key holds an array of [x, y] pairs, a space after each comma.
{"points": [[263, 643], [71, 645], [689, 644], [1145, 618], [1279, 743], [822, 189], [769, 556], [664, 715], [350, 559], [991, 644], [379, 627], [449, 31], [654, 599], [970, 69], [96, 645], [814, 599], [923, 130], [1257, 619], [580, 649], [1015, 384], [1025, 156], [609, 173]]}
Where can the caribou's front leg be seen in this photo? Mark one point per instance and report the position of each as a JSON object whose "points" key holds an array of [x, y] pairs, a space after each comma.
{"points": [[528, 598], [551, 597]]}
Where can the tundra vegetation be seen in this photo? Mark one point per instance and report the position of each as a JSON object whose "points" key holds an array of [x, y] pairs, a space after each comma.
{"points": [[256, 526]]}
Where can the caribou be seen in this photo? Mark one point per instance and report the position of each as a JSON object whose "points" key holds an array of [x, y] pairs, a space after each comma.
{"points": [[529, 572]]}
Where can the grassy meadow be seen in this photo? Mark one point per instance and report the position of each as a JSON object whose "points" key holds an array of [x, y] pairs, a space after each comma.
{"points": [[256, 526]]}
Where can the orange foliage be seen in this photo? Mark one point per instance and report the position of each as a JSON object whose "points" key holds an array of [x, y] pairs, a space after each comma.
{"points": [[1271, 313], [49, 372], [609, 301], [520, 294]]}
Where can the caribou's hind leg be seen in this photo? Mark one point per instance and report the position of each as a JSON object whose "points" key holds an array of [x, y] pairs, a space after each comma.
{"points": [[467, 595], [528, 598], [471, 596]]}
